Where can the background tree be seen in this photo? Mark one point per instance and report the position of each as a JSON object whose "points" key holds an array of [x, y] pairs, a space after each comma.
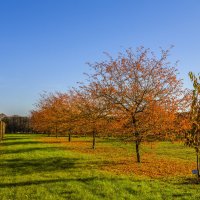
{"points": [[93, 113], [41, 118], [2, 130], [17, 123], [56, 113], [193, 137]]}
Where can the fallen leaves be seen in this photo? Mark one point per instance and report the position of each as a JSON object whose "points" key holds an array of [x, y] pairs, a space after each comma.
{"points": [[152, 166], [119, 161]]}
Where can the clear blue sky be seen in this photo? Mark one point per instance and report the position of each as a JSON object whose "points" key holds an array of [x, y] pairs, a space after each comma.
{"points": [[45, 44]]}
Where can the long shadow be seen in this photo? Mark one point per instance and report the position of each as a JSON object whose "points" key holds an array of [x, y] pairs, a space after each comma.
{"points": [[8, 138], [50, 181], [182, 195], [27, 150], [189, 181], [25, 166], [21, 143], [11, 138]]}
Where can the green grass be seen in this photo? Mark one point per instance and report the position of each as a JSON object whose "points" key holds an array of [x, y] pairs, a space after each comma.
{"points": [[176, 151], [30, 169]]}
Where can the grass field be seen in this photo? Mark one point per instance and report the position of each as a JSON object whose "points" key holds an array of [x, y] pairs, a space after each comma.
{"points": [[36, 167]]}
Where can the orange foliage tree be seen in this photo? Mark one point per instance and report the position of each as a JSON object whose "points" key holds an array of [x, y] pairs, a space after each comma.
{"points": [[143, 88], [41, 117], [55, 113], [92, 113]]}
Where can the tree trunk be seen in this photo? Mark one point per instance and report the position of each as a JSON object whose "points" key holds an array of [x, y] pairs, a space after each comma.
{"points": [[94, 140], [137, 148], [69, 137], [197, 156], [137, 140], [56, 130], [197, 151]]}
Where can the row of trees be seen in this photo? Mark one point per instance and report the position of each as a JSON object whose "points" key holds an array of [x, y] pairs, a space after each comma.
{"points": [[136, 95], [17, 123]]}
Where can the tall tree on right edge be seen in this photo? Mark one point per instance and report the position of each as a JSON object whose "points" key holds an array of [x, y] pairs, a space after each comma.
{"points": [[193, 136]]}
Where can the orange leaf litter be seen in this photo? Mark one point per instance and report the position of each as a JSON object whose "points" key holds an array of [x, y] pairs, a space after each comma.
{"points": [[117, 160]]}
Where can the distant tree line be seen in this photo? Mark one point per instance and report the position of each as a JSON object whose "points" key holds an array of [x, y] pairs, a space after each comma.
{"points": [[15, 124], [2, 129]]}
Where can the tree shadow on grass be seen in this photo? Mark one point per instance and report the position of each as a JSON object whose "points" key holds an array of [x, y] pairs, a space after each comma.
{"points": [[11, 138], [21, 143], [182, 195], [30, 166], [29, 150], [94, 186], [189, 181], [24, 166], [87, 180], [28, 183], [8, 138]]}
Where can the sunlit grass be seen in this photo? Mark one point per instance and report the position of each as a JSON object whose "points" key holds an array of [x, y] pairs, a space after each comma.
{"points": [[30, 168]]}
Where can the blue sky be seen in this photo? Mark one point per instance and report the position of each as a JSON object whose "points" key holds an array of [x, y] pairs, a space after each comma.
{"points": [[45, 44]]}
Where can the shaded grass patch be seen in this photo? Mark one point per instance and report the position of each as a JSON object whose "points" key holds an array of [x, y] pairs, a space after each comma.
{"points": [[31, 168]]}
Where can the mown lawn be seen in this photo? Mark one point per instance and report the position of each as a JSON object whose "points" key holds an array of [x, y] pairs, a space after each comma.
{"points": [[35, 167]]}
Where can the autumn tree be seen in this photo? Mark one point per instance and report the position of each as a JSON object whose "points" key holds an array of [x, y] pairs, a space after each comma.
{"points": [[92, 113], [41, 119], [140, 86], [60, 113], [70, 113], [181, 125], [45, 117], [193, 137], [56, 113]]}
